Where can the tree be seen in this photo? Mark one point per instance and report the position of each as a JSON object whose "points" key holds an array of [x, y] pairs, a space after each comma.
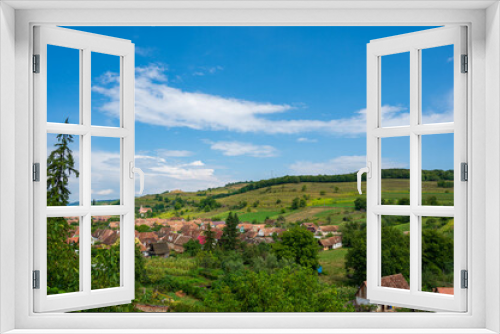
{"points": [[284, 290], [62, 258], [209, 238], [404, 201], [360, 204], [229, 240], [395, 254], [295, 203], [298, 245], [192, 247], [143, 228], [60, 166]]}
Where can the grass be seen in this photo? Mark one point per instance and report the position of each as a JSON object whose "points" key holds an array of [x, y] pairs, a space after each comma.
{"points": [[333, 262], [328, 202]]}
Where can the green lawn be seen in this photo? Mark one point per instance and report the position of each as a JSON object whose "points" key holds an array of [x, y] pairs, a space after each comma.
{"points": [[333, 266]]}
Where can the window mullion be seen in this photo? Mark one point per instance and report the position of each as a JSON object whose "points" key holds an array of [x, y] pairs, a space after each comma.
{"points": [[415, 179], [85, 242]]}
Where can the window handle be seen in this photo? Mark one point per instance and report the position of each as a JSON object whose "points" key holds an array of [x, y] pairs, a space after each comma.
{"points": [[368, 171], [139, 171]]}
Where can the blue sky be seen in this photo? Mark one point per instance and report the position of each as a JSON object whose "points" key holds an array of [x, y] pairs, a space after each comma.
{"points": [[224, 104]]}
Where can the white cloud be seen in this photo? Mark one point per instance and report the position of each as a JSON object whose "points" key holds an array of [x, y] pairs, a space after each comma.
{"points": [[338, 165], [160, 104], [174, 153], [203, 70], [144, 51], [195, 163], [306, 140], [235, 148], [103, 192]]}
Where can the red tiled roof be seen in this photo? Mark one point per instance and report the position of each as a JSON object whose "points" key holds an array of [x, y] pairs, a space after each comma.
{"points": [[446, 291], [329, 228]]}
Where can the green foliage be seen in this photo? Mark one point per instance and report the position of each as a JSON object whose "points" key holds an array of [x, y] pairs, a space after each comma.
{"points": [[298, 245], [143, 228], [60, 166], [285, 290], [437, 259], [395, 254], [404, 201], [192, 247], [298, 203], [209, 244], [360, 203], [62, 258], [209, 203], [106, 267], [445, 184], [229, 240]]}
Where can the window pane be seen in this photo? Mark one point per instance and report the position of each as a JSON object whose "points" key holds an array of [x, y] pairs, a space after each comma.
{"points": [[63, 170], [395, 252], [437, 84], [437, 169], [105, 89], [437, 254], [105, 252], [106, 171], [63, 84], [395, 89], [395, 171], [63, 261]]}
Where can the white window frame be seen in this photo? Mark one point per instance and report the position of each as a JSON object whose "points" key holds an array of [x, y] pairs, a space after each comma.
{"points": [[482, 19], [86, 44], [414, 43]]}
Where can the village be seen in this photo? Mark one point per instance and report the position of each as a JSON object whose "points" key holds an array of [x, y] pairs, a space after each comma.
{"points": [[167, 237], [171, 235]]}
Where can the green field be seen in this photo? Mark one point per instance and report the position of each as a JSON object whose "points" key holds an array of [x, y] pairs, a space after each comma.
{"points": [[333, 262], [324, 202]]}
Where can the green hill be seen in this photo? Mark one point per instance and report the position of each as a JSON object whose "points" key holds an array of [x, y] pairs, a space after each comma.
{"points": [[318, 200]]}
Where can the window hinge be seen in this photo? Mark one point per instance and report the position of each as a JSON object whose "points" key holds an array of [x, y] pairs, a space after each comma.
{"points": [[465, 171], [465, 64], [36, 172], [36, 279], [465, 279], [36, 63]]}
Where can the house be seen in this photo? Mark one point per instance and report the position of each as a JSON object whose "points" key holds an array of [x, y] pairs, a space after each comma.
{"points": [[147, 238], [106, 237], [178, 244], [311, 227], [325, 229], [159, 249], [163, 231], [114, 225], [331, 243], [392, 281], [143, 211], [269, 232]]}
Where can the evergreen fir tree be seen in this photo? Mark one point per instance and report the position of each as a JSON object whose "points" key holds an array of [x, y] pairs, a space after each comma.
{"points": [[60, 165], [230, 237], [209, 238], [62, 258]]}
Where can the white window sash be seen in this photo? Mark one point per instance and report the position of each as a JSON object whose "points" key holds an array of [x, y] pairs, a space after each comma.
{"points": [[413, 43], [87, 43]]}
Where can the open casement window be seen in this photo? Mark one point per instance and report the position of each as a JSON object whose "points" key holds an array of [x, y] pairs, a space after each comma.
{"points": [[89, 270], [418, 132]]}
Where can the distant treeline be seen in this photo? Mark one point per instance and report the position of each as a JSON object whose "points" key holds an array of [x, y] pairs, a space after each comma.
{"points": [[393, 173]]}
